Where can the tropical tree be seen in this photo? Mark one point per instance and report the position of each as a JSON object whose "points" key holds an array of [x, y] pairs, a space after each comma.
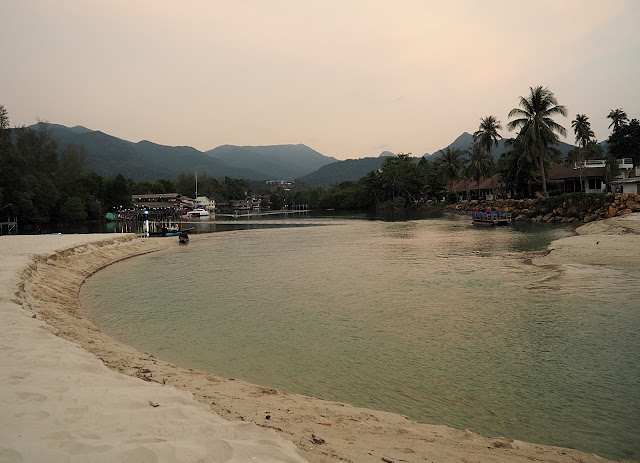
{"points": [[618, 119], [452, 163], [582, 130], [487, 134], [625, 141], [480, 162], [517, 167], [534, 118]]}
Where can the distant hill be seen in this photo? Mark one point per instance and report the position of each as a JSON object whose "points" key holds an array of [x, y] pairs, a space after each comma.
{"points": [[279, 162], [336, 172], [145, 160], [354, 169], [465, 140]]}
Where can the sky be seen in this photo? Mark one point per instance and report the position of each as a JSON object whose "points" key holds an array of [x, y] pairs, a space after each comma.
{"points": [[348, 78]]}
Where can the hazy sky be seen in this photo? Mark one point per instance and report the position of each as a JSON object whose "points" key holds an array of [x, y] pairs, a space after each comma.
{"points": [[349, 78]]}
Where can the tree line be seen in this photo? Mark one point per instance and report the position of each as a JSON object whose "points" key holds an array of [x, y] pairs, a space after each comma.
{"points": [[42, 183], [523, 167]]}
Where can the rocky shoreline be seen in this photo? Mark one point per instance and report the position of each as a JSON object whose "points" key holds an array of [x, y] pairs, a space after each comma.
{"points": [[568, 208]]}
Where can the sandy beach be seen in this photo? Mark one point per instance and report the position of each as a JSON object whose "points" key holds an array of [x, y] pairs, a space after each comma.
{"points": [[71, 393]]}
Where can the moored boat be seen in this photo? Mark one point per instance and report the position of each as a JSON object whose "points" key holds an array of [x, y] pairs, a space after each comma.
{"points": [[198, 212], [491, 217], [170, 232]]}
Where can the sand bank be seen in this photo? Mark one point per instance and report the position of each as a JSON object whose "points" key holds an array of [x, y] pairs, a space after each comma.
{"points": [[62, 403]]}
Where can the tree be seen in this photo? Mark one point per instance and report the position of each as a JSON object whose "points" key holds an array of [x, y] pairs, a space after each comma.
{"points": [[73, 210], [625, 141], [480, 162], [582, 130], [452, 163], [517, 168], [117, 192], [538, 130], [487, 135], [618, 119]]}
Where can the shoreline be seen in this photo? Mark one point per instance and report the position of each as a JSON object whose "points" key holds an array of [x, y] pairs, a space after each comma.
{"points": [[322, 431]]}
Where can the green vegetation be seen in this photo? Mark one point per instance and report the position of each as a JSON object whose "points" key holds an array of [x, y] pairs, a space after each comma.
{"points": [[538, 130], [41, 182]]}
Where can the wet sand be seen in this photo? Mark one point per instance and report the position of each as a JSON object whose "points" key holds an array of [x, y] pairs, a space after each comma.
{"points": [[71, 393]]}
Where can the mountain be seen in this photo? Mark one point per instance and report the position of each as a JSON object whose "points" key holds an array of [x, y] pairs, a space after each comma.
{"points": [[354, 169], [336, 172], [386, 154], [145, 160], [279, 162], [465, 140]]}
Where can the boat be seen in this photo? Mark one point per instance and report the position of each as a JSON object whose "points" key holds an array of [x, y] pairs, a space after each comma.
{"points": [[170, 232], [198, 212], [491, 218]]}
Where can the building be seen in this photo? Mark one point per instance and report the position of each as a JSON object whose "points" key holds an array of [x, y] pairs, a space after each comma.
{"points": [[628, 178], [588, 176], [489, 188], [591, 175], [205, 203]]}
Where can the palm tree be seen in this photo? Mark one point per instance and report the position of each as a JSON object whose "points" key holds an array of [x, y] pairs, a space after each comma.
{"points": [[537, 128], [516, 166], [452, 164], [480, 163], [487, 134], [582, 129], [618, 119]]}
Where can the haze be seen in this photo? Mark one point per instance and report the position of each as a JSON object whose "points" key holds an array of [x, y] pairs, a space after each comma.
{"points": [[347, 78]]}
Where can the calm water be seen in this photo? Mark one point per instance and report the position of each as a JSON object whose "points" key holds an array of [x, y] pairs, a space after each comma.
{"points": [[434, 319]]}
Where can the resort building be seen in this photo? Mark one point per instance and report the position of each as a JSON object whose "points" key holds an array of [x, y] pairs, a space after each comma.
{"points": [[157, 202], [489, 189], [588, 176], [240, 205]]}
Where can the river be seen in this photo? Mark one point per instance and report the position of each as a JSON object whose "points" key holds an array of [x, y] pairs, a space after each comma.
{"points": [[432, 318]]}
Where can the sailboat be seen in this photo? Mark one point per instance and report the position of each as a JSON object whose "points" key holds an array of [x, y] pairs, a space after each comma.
{"points": [[198, 211]]}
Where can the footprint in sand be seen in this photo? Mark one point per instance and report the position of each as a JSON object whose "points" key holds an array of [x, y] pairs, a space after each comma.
{"points": [[32, 397], [10, 456], [41, 415], [72, 415], [139, 455]]}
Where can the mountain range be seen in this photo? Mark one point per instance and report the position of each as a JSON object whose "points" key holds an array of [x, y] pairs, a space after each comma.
{"points": [[145, 160]]}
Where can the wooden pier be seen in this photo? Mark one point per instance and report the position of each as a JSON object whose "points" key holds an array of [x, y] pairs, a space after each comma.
{"points": [[10, 227]]}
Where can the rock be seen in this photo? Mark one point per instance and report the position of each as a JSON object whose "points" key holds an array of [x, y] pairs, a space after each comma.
{"points": [[634, 206]]}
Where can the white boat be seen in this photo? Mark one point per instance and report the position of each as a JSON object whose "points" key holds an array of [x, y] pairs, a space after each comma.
{"points": [[198, 212]]}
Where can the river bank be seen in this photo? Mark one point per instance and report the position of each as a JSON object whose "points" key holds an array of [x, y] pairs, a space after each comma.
{"points": [[569, 208], [322, 431]]}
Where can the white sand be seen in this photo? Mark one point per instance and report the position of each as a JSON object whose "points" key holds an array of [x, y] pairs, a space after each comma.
{"points": [[59, 401]]}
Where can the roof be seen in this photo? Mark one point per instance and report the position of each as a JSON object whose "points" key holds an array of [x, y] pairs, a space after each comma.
{"points": [[156, 196], [560, 172], [626, 180], [472, 184], [155, 205]]}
